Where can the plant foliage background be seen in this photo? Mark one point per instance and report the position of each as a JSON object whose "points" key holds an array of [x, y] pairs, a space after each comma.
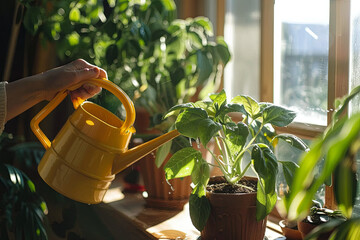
{"points": [[159, 60]]}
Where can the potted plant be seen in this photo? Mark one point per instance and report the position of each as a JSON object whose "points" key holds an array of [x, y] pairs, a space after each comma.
{"points": [[337, 147], [177, 61], [317, 216], [157, 59], [290, 230], [247, 144]]}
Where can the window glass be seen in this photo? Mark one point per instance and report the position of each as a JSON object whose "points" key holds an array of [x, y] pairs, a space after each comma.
{"points": [[242, 34], [285, 153], [355, 72], [301, 45]]}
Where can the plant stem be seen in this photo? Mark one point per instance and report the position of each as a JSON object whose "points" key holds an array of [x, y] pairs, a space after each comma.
{"points": [[221, 164], [248, 145]]}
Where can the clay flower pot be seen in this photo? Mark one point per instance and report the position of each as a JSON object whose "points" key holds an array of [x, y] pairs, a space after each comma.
{"points": [[162, 194], [290, 233], [305, 228], [232, 217]]}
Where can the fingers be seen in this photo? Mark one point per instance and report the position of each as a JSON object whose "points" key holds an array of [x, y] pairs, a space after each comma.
{"points": [[91, 89], [85, 92], [82, 65], [103, 73], [87, 73]]}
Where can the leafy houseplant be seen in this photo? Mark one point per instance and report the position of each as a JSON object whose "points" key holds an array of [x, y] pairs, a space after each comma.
{"points": [[157, 59], [317, 216], [338, 147], [22, 209], [253, 138]]}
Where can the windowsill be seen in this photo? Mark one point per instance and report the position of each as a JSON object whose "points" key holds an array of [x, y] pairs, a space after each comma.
{"points": [[162, 224]]}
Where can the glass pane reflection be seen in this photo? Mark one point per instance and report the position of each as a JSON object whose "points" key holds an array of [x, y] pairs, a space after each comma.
{"points": [[301, 40]]}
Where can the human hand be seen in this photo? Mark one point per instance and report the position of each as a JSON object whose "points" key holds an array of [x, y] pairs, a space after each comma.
{"points": [[63, 77]]}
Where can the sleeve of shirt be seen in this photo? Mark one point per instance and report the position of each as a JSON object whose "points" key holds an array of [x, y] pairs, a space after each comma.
{"points": [[3, 104]]}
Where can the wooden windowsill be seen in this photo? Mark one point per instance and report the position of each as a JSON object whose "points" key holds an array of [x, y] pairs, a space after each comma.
{"points": [[160, 224]]}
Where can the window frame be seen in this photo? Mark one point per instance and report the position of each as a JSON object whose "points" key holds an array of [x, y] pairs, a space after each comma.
{"points": [[338, 63], [338, 66]]}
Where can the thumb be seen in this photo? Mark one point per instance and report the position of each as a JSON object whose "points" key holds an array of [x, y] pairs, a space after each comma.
{"points": [[87, 73]]}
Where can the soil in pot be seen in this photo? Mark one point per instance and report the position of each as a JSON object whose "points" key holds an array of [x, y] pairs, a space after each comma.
{"points": [[233, 212], [218, 185]]}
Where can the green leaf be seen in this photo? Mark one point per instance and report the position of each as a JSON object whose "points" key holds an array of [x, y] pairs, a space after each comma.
{"points": [[31, 186], [145, 33], [326, 228], [342, 103], [182, 163], [264, 202], [161, 153], [177, 75], [73, 38], [349, 229], [195, 123], [132, 49], [169, 5], [251, 106], [345, 187], [236, 136], [219, 99], [289, 169], [302, 182], [74, 14], [33, 19], [335, 145], [266, 167], [205, 24], [199, 211], [172, 111], [278, 116], [112, 53], [201, 173], [158, 34], [204, 67], [293, 141], [222, 50]]}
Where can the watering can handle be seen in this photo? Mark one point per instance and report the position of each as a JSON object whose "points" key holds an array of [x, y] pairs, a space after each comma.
{"points": [[104, 83]]}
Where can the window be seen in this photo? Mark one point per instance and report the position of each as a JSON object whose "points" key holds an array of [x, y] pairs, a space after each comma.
{"points": [[308, 56], [301, 47], [355, 70]]}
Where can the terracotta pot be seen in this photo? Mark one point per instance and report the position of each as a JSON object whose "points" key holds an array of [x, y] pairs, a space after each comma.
{"points": [[163, 194], [305, 228], [290, 233], [233, 217]]}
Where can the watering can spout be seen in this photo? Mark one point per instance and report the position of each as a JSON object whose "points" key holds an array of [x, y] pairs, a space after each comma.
{"points": [[134, 154]]}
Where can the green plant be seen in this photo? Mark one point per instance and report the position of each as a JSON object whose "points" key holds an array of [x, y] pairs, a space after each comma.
{"points": [[318, 215], [252, 138], [157, 59], [337, 147], [22, 209]]}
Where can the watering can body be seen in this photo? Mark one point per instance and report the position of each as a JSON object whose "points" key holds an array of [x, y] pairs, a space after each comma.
{"points": [[91, 147]]}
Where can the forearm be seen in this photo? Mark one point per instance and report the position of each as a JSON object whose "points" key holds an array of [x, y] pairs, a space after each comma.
{"points": [[23, 94], [27, 92]]}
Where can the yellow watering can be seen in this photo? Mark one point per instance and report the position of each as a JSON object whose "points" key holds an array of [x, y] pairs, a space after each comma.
{"points": [[91, 147]]}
